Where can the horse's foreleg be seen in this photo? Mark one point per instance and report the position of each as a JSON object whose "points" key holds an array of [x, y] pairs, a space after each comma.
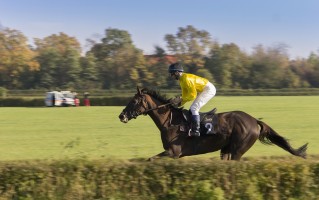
{"points": [[160, 155]]}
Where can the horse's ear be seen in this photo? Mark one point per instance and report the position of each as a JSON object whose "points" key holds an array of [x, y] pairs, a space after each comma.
{"points": [[139, 91]]}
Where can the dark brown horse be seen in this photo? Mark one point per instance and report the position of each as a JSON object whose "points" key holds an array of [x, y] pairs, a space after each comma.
{"points": [[236, 131]]}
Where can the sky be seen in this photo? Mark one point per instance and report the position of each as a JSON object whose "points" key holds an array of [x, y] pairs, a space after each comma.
{"points": [[246, 23]]}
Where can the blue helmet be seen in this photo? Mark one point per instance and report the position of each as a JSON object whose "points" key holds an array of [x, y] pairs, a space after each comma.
{"points": [[176, 67]]}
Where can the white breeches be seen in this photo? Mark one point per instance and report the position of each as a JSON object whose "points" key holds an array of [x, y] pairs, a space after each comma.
{"points": [[202, 98]]}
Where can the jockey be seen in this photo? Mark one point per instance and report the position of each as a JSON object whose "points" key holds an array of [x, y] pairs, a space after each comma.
{"points": [[194, 88]]}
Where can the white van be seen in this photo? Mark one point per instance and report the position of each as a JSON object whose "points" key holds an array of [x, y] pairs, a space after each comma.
{"points": [[63, 98]]}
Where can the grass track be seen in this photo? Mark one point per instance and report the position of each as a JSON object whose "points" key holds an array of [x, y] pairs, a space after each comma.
{"points": [[96, 132]]}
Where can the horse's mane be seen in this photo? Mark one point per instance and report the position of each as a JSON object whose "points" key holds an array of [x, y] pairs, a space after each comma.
{"points": [[157, 95]]}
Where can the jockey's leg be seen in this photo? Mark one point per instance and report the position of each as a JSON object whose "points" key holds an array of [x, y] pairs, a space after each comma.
{"points": [[201, 99], [195, 126]]}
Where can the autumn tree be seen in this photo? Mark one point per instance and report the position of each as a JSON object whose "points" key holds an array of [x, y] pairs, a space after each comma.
{"points": [[16, 58], [55, 62], [158, 65]]}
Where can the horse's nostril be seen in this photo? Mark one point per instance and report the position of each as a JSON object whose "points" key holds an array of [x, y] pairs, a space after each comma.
{"points": [[122, 116]]}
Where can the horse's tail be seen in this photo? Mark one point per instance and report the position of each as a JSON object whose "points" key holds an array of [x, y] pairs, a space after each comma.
{"points": [[269, 136]]}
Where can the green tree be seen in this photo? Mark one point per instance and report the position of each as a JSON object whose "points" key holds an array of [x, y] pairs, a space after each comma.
{"points": [[16, 58], [269, 67], [290, 80], [49, 60], [302, 69], [313, 73], [59, 57], [120, 64], [89, 73], [229, 66], [190, 46]]}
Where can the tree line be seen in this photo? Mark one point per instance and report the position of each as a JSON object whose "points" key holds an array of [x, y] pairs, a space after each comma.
{"points": [[114, 62]]}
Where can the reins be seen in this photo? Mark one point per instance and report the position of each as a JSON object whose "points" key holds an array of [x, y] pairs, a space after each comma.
{"points": [[161, 106]]}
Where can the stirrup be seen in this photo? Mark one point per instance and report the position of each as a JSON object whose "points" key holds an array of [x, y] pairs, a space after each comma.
{"points": [[211, 131], [192, 133]]}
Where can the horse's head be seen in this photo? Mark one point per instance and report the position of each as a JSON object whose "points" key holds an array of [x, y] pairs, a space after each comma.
{"points": [[137, 106]]}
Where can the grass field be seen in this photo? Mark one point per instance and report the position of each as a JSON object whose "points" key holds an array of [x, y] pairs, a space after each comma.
{"points": [[96, 132]]}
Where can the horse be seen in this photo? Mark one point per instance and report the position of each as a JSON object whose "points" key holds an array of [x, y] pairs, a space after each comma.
{"points": [[235, 131]]}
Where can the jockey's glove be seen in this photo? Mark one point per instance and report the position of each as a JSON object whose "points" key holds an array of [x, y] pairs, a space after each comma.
{"points": [[177, 101]]}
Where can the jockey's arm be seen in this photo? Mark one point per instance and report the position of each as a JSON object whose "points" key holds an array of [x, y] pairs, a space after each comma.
{"points": [[188, 94]]}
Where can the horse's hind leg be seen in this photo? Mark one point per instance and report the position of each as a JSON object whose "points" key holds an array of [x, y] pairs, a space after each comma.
{"points": [[225, 153], [225, 156], [236, 156], [241, 145], [160, 155]]}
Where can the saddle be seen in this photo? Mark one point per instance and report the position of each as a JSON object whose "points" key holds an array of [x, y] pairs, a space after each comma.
{"points": [[208, 121]]}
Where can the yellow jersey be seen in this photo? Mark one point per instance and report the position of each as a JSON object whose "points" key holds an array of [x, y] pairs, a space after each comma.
{"points": [[190, 85]]}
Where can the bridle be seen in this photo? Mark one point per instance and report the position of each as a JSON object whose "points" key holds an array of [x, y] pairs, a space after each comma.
{"points": [[150, 109], [146, 109]]}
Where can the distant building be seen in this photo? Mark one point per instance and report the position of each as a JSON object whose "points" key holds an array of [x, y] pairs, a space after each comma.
{"points": [[153, 59]]}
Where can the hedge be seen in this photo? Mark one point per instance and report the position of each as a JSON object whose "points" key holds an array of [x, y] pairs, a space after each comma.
{"points": [[130, 92], [39, 102], [167, 179], [35, 98]]}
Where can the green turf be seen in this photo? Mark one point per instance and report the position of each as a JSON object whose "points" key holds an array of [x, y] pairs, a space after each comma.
{"points": [[96, 132]]}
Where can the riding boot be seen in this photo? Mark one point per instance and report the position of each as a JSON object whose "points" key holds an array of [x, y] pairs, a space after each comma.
{"points": [[195, 126]]}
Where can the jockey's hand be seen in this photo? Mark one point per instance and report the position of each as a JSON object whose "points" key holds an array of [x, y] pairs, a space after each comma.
{"points": [[177, 101]]}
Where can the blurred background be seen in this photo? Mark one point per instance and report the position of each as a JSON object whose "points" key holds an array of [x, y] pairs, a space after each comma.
{"points": [[58, 45]]}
